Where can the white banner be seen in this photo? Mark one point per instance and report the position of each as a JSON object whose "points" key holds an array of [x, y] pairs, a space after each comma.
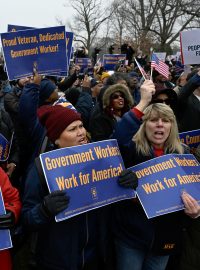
{"points": [[161, 55], [190, 46]]}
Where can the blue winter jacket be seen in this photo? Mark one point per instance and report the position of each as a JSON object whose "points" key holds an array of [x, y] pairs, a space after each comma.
{"points": [[32, 128], [68, 244], [131, 226]]}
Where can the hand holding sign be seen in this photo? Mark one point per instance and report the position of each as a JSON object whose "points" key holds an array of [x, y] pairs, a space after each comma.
{"points": [[128, 179], [10, 168], [55, 203], [7, 221], [36, 77], [192, 208]]}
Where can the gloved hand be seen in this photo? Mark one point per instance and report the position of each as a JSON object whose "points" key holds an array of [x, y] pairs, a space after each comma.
{"points": [[128, 179], [55, 203], [7, 220]]}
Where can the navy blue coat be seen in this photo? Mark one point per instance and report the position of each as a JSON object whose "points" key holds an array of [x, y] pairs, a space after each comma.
{"points": [[131, 226], [70, 243]]}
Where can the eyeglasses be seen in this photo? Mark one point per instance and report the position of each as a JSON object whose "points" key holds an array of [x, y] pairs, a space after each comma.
{"points": [[167, 101], [116, 96]]}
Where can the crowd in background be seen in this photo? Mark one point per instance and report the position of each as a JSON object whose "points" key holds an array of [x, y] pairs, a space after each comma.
{"points": [[145, 116]]}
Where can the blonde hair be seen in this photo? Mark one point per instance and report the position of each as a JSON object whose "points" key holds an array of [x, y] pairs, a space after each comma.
{"points": [[172, 144]]}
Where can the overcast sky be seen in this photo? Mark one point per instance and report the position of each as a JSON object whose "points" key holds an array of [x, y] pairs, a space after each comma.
{"points": [[33, 13]]}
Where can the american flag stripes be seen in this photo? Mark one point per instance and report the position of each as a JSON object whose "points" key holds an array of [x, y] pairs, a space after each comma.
{"points": [[159, 66]]}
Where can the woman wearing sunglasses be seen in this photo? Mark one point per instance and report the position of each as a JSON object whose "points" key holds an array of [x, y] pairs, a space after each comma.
{"points": [[116, 101]]}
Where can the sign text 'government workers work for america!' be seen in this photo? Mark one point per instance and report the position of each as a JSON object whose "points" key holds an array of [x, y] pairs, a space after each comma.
{"points": [[89, 175]]}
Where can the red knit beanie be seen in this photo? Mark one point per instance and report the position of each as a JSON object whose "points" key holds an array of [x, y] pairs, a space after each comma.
{"points": [[55, 119]]}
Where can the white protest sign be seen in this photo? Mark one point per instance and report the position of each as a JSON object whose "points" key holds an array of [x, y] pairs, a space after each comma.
{"points": [[161, 55], [190, 46], [187, 69]]}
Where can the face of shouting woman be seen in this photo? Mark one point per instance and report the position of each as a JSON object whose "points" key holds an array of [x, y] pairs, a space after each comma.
{"points": [[74, 134], [157, 130]]}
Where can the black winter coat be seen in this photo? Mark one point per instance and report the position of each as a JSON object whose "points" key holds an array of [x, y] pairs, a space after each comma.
{"points": [[132, 227], [189, 106], [7, 130]]}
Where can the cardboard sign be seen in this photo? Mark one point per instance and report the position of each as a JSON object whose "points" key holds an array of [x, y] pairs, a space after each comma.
{"points": [[162, 180], [89, 175]]}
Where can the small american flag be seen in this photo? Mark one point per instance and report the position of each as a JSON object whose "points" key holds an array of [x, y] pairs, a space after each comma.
{"points": [[143, 72], [159, 66]]}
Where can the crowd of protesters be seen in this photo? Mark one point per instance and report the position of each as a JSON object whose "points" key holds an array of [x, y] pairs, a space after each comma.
{"points": [[145, 116]]}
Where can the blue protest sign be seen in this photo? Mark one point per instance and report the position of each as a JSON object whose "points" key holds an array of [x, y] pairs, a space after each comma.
{"points": [[83, 63], [191, 138], [111, 60], [88, 173], [5, 239], [14, 28], [43, 48], [162, 180], [4, 148], [69, 40]]}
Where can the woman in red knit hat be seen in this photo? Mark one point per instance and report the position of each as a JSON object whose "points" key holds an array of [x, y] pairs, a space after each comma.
{"points": [[64, 126], [80, 242]]}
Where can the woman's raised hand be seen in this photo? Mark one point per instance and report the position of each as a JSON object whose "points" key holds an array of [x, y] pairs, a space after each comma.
{"points": [[147, 89]]}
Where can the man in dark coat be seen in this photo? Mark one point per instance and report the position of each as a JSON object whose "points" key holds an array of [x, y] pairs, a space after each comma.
{"points": [[11, 104], [189, 103]]}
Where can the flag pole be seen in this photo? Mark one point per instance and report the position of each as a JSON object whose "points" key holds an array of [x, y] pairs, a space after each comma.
{"points": [[151, 52], [139, 68], [151, 73]]}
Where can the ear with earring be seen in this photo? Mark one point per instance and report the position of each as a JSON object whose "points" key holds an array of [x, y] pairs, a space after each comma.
{"points": [[57, 142], [111, 110]]}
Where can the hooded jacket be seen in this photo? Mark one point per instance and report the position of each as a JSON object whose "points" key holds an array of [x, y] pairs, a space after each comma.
{"points": [[117, 88], [103, 124]]}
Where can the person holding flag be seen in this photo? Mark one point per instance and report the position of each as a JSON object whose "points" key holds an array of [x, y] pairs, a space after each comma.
{"points": [[145, 132]]}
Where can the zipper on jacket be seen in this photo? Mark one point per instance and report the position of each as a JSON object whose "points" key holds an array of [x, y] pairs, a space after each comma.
{"points": [[87, 238], [152, 242]]}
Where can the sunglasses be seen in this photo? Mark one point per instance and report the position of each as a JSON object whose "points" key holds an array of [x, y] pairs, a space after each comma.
{"points": [[167, 101], [116, 96]]}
